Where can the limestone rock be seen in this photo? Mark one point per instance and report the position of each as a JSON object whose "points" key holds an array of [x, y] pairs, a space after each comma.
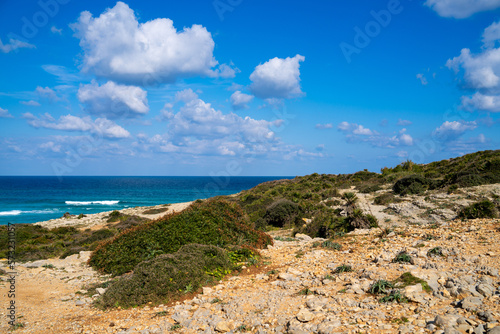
{"points": [[471, 303], [224, 326], [305, 316]]}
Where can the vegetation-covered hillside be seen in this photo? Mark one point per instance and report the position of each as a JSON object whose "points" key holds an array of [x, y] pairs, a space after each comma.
{"points": [[317, 196]]}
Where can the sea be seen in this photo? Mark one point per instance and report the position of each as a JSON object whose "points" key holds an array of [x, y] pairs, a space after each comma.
{"points": [[31, 199]]}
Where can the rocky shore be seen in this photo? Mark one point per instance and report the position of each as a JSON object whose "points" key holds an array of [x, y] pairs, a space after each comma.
{"points": [[297, 288], [98, 220]]}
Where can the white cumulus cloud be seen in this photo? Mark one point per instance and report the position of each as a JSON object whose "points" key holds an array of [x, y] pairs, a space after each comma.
{"points": [[460, 9], [452, 130], [196, 128], [102, 126], [355, 129], [198, 119], [117, 47], [240, 100], [491, 34], [405, 138], [481, 72], [277, 78], [479, 101], [113, 101]]}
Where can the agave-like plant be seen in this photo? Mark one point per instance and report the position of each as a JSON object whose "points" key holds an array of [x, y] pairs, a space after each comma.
{"points": [[350, 198]]}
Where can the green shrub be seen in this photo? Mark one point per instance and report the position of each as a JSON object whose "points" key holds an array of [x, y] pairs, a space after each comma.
{"points": [[211, 222], [114, 216], [281, 213], [482, 209], [407, 279], [344, 268], [372, 220], [410, 185], [436, 251], [331, 245], [467, 179], [381, 287], [34, 242], [452, 189], [402, 257], [324, 225], [357, 219], [385, 199], [394, 296], [368, 188], [168, 276], [154, 211], [127, 221]]}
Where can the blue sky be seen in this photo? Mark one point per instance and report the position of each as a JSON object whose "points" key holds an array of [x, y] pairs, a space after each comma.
{"points": [[236, 87]]}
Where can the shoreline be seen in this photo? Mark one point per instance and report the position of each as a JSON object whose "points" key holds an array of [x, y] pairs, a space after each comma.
{"points": [[99, 220]]}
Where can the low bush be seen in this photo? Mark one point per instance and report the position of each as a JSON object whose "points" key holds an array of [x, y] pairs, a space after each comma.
{"points": [[168, 276], [325, 225], [372, 220], [381, 287], [282, 213], [385, 199], [34, 242], [154, 211], [368, 188], [331, 245], [407, 279], [410, 185], [344, 268], [482, 209], [114, 216], [394, 296], [211, 222], [357, 219], [436, 251], [402, 257], [452, 189]]}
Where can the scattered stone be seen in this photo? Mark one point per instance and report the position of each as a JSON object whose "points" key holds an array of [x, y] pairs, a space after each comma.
{"points": [[471, 303], [223, 326], [305, 316], [303, 237]]}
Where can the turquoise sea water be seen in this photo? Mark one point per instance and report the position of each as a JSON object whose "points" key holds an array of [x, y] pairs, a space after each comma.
{"points": [[29, 199]]}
